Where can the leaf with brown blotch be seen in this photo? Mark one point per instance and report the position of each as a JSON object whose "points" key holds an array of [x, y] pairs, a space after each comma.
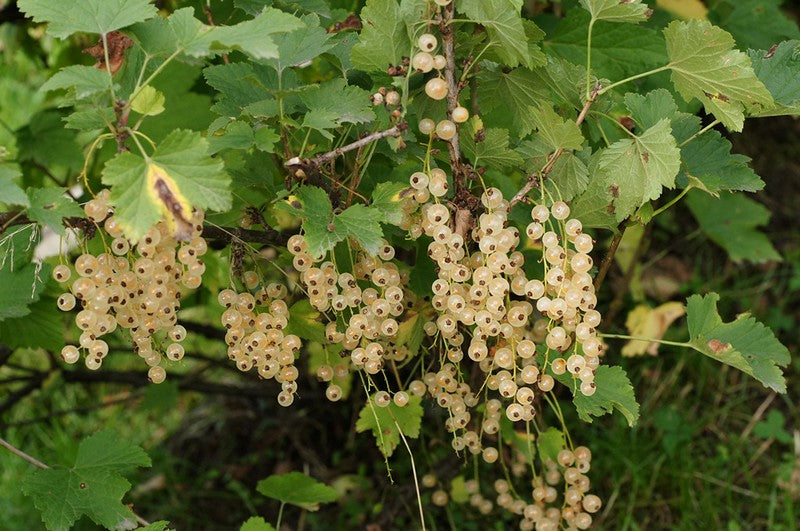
{"points": [[118, 43]]}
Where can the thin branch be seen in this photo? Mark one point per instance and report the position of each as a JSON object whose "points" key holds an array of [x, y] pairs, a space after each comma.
{"points": [[397, 130], [453, 90], [140, 379], [605, 265], [19, 453], [537, 178], [622, 290], [35, 462], [229, 234]]}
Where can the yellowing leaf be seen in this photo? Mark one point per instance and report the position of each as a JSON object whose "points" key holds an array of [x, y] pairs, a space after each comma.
{"points": [[644, 321], [684, 9], [148, 101], [175, 208]]}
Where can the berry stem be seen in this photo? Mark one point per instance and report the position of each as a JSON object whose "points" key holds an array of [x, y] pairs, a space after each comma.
{"points": [[648, 339]]}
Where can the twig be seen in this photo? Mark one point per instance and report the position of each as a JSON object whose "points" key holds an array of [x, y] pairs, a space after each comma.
{"points": [[330, 155], [453, 89], [537, 178], [210, 18], [622, 290], [605, 265], [35, 462], [229, 234], [16, 451]]}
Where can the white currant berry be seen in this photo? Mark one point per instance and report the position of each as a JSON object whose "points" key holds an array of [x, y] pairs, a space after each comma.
{"points": [[460, 115], [422, 61], [436, 88], [427, 42], [446, 130]]}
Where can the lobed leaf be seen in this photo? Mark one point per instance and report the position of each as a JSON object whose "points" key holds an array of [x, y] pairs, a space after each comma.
{"points": [[743, 343]]}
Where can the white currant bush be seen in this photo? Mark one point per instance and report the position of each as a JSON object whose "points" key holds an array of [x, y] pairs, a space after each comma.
{"points": [[416, 205]]}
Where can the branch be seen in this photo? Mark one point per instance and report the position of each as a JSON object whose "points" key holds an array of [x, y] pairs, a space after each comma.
{"points": [[538, 178], [605, 265], [397, 130], [231, 234], [140, 379], [35, 462], [453, 90], [16, 451]]}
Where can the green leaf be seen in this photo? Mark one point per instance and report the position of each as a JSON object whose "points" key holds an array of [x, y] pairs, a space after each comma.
{"points": [[296, 488], [568, 178], [10, 192], [41, 327], [90, 16], [302, 45], [93, 485], [85, 80], [304, 322], [705, 66], [386, 198], [160, 525], [616, 11], [618, 50], [19, 288], [554, 131], [384, 422], [777, 69], [253, 37], [49, 206], [709, 160], [236, 135], [148, 101], [182, 158], [362, 224], [411, 332], [333, 103], [595, 206], [314, 207], [519, 89], [614, 391], [490, 149], [183, 32], [46, 142], [743, 343], [383, 40], [635, 170], [773, 427], [731, 222], [323, 230], [504, 25], [256, 523], [551, 441], [754, 23], [649, 109], [240, 85]]}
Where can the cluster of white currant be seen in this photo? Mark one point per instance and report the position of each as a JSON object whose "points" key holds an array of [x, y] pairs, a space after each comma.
{"points": [[256, 338], [137, 287], [436, 88], [371, 314]]}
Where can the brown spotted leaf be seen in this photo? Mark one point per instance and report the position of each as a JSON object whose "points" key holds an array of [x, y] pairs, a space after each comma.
{"points": [[743, 343], [176, 178]]}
